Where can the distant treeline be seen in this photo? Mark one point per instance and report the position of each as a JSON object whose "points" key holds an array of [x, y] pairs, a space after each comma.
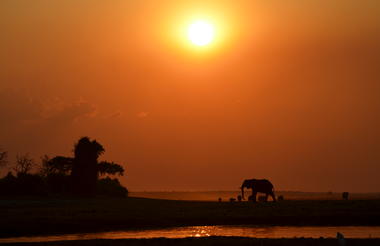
{"points": [[81, 175]]}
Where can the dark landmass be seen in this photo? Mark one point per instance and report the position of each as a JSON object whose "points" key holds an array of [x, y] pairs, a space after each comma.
{"points": [[23, 217], [226, 195], [219, 241]]}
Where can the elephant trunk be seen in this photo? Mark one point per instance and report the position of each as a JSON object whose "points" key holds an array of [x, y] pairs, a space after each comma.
{"points": [[242, 192]]}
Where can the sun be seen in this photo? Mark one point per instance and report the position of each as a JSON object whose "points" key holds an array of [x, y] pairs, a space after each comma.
{"points": [[201, 33]]}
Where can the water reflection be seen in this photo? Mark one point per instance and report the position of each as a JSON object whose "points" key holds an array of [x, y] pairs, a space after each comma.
{"points": [[206, 231]]}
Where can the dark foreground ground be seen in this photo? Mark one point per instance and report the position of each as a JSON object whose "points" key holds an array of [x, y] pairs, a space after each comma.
{"points": [[22, 217], [217, 241]]}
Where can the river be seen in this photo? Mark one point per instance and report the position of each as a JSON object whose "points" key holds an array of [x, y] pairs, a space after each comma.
{"points": [[206, 231]]}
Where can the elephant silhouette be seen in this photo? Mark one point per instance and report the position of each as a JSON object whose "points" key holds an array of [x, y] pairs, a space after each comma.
{"points": [[258, 186]]}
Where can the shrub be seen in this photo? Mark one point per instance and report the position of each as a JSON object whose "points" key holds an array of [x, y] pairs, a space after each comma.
{"points": [[111, 187]]}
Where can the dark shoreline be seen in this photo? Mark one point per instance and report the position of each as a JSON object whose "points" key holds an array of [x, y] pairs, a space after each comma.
{"points": [[62, 216], [219, 241]]}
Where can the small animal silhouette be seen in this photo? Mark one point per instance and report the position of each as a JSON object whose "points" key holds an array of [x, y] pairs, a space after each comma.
{"points": [[341, 240], [345, 195]]}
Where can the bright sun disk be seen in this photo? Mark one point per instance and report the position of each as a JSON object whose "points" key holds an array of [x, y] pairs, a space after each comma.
{"points": [[201, 33]]}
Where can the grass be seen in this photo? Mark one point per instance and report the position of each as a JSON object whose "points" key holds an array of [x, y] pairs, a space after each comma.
{"points": [[210, 241], [55, 216]]}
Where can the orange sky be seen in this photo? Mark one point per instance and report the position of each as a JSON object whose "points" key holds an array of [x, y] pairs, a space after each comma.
{"points": [[289, 91]]}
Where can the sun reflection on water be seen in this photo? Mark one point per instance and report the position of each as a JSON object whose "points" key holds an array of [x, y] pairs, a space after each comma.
{"points": [[202, 231]]}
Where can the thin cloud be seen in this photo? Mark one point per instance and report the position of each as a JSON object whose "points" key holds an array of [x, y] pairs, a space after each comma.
{"points": [[142, 114]]}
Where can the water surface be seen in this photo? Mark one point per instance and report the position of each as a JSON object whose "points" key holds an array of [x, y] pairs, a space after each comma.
{"points": [[206, 231]]}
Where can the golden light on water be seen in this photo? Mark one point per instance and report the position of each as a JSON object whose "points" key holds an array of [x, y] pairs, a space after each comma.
{"points": [[207, 231]]}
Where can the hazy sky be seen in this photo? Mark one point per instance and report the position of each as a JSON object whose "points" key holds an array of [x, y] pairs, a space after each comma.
{"points": [[289, 91]]}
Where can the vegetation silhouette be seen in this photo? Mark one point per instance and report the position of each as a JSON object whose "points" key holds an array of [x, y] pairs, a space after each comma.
{"points": [[24, 164], [258, 186], [84, 171], [81, 175], [3, 158]]}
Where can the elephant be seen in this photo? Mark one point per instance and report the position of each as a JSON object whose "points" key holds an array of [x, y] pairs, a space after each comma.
{"points": [[258, 185]]}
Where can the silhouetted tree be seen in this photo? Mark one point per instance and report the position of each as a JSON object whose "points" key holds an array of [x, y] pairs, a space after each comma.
{"points": [[62, 175], [110, 168], [24, 164], [57, 165], [44, 169], [3, 158], [85, 171]]}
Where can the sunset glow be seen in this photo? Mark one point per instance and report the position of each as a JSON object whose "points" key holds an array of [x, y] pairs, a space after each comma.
{"points": [[157, 122], [197, 95], [201, 33]]}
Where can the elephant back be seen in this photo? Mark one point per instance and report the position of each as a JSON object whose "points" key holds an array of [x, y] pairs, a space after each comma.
{"points": [[262, 185]]}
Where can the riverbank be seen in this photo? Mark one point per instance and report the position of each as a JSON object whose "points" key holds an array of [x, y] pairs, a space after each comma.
{"points": [[22, 217], [209, 241], [226, 195]]}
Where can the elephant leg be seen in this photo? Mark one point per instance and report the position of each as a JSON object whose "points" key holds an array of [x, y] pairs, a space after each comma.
{"points": [[254, 196], [273, 196]]}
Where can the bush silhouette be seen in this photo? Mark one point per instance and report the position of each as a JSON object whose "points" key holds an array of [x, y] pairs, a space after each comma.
{"points": [[3, 158], [111, 187], [23, 184]]}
